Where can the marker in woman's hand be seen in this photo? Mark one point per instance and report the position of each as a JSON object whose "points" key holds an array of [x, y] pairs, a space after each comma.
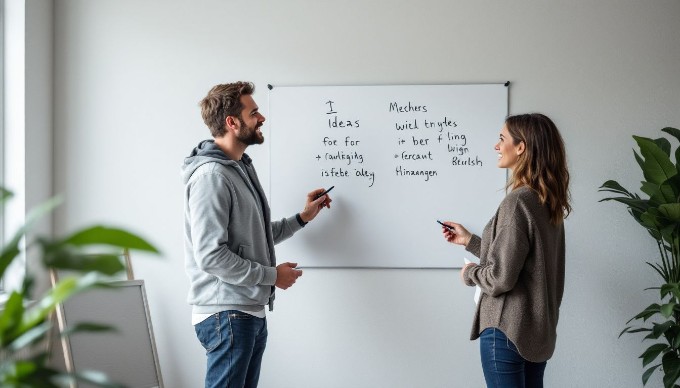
{"points": [[451, 228]]}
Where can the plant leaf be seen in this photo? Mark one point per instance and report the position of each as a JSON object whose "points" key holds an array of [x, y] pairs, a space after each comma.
{"points": [[639, 160], [9, 252], [640, 329], [667, 289], [615, 187], [649, 188], [648, 373], [88, 376], [672, 131], [11, 318], [59, 293], [671, 368], [31, 336], [658, 269], [652, 353], [657, 165], [639, 204], [109, 236], [651, 221], [635, 213], [648, 312], [655, 235], [664, 145], [671, 211], [5, 195], [103, 263], [625, 330], [629, 329], [11, 249], [667, 309], [671, 334], [668, 232], [90, 327], [674, 185], [666, 194], [659, 328]]}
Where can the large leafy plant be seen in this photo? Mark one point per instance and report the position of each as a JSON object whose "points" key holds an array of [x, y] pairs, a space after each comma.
{"points": [[25, 324], [660, 215]]}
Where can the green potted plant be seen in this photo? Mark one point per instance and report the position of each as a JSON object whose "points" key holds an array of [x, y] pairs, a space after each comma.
{"points": [[25, 325], [659, 214]]}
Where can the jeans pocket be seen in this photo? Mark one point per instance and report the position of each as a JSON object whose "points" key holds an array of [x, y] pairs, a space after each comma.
{"points": [[209, 332], [239, 315]]}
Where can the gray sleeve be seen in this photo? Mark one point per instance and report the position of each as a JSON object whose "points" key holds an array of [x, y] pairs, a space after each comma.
{"points": [[284, 228], [504, 262], [209, 206], [475, 245]]}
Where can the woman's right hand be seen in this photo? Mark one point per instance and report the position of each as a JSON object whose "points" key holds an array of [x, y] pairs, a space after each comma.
{"points": [[459, 235]]}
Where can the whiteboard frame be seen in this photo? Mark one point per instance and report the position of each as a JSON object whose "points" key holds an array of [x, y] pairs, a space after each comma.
{"points": [[63, 321], [270, 87]]}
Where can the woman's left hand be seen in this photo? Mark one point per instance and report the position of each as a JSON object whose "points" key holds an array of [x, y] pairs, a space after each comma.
{"points": [[462, 271]]}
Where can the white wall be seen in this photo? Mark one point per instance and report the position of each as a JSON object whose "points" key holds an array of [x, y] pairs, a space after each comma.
{"points": [[129, 75]]}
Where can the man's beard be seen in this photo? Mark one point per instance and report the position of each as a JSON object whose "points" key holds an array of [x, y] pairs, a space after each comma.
{"points": [[249, 135]]}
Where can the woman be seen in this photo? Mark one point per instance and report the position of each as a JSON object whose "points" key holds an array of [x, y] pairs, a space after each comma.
{"points": [[521, 269]]}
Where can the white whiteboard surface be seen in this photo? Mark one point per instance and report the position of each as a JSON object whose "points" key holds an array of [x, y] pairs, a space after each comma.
{"points": [[127, 355], [400, 158]]}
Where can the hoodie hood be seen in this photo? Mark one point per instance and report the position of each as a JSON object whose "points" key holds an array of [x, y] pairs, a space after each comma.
{"points": [[205, 152]]}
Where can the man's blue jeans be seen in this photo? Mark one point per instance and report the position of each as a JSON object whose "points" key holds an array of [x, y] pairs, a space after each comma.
{"points": [[234, 343], [503, 366]]}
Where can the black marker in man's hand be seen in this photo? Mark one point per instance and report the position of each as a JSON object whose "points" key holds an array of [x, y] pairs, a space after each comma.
{"points": [[324, 193]]}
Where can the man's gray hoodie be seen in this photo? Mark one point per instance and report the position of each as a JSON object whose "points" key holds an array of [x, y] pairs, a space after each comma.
{"points": [[228, 234]]}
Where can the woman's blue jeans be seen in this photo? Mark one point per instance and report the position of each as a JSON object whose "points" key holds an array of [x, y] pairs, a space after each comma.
{"points": [[503, 366], [234, 343]]}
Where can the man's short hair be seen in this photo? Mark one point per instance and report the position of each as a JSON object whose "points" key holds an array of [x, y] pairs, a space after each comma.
{"points": [[224, 100]]}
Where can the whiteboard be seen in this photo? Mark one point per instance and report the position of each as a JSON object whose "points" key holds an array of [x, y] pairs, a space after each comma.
{"points": [[400, 158], [127, 355]]}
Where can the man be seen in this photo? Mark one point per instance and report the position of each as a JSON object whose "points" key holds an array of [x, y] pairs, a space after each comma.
{"points": [[229, 239]]}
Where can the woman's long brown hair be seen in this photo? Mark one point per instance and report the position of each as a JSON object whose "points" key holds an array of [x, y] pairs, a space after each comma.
{"points": [[543, 164]]}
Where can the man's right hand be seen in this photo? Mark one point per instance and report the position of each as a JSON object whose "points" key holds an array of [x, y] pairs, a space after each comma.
{"points": [[286, 275]]}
